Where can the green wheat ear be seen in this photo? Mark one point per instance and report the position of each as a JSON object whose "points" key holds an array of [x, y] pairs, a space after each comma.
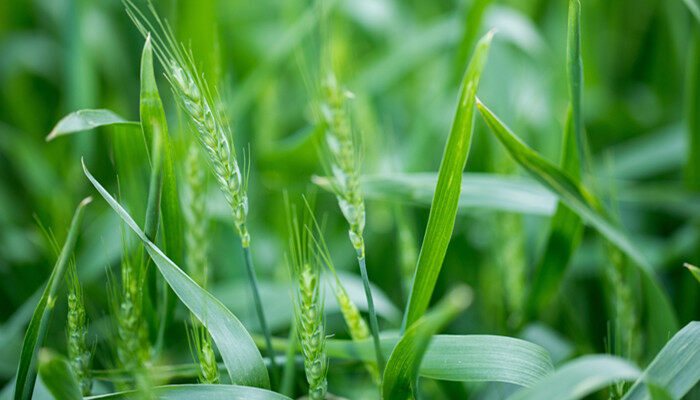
{"points": [[203, 353], [308, 304], [357, 326], [78, 352]]}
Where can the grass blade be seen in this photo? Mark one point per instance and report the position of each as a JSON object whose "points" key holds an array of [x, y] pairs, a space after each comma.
{"points": [[58, 376], [675, 368], [200, 392], [444, 206], [581, 377], [241, 357], [478, 190], [34, 338], [401, 373], [662, 319], [83, 120], [693, 270]]}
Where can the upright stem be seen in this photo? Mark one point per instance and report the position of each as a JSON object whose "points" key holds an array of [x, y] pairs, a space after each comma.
{"points": [[261, 314], [373, 325]]}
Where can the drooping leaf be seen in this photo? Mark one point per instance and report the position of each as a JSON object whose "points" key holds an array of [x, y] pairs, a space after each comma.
{"points": [[465, 358], [444, 206], [676, 368], [478, 190], [34, 338], [401, 373], [241, 357], [661, 316], [579, 378], [58, 376], [199, 392], [83, 120]]}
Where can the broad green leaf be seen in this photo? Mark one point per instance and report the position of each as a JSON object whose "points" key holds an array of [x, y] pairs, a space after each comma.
{"points": [[444, 206], [465, 358], [401, 373], [579, 378], [693, 270], [676, 368], [58, 376], [661, 316], [36, 332], [693, 8], [199, 392], [478, 190], [241, 357], [83, 120]]}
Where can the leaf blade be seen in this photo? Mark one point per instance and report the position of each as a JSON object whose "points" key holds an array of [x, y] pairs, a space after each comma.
{"points": [[444, 207], [58, 376], [83, 120], [401, 373], [36, 332], [241, 357], [201, 392]]}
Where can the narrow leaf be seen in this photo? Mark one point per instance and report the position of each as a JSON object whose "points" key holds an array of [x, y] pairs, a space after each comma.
{"points": [[579, 378], [693, 270], [401, 373], [82, 120], [241, 357], [661, 317], [199, 392], [36, 332], [58, 376], [676, 368], [444, 206]]}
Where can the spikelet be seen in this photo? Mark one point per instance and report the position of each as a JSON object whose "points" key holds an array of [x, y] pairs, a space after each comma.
{"points": [[78, 353], [357, 326], [203, 111], [195, 235], [203, 353], [342, 158], [308, 306]]}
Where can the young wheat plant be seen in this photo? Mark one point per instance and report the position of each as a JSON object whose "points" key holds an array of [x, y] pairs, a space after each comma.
{"points": [[78, 352], [205, 114], [308, 305]]}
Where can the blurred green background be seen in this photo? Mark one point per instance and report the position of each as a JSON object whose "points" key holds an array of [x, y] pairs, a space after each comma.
{"points": [[403, 60]]}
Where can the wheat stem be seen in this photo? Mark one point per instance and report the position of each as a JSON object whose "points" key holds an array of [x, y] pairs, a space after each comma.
{"points": [[374, 326]]}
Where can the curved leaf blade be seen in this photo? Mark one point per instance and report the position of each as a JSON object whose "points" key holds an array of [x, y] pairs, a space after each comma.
{"points": [[83, 120], [443, 210], [401, 373], [200, 392], [676, 368], [58, 376], [662, 317], [580, 377], [36, 332], [241, 357]]}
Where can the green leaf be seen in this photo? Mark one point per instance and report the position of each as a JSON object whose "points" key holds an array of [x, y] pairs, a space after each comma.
{"points": [[34, 338], [693, 270], [580, 377], [693, 8], [662, 319], [83, 120], [478, 190], [241, 357], [200, 392], [465, 358], [444, 206], [658, 392], [675, 368], [401, 373], [58, 376]]}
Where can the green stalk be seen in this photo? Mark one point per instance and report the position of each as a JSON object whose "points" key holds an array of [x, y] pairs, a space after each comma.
{"points": [[250, 270], [373, 325]]}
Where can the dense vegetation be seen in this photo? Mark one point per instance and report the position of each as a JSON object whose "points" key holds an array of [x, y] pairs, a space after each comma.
{"points": [[482, 199]]}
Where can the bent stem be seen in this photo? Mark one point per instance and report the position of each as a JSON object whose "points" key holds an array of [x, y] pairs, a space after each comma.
{"points": [[373, 325], [259, 309]]}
